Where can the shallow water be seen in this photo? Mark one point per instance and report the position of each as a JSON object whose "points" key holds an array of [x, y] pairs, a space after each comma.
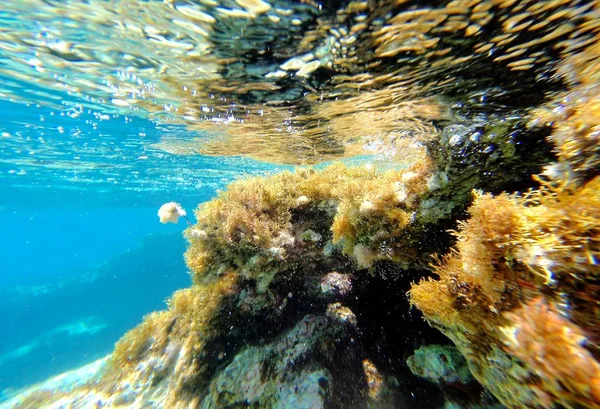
{"points": [[112, 108], [83, 259]]}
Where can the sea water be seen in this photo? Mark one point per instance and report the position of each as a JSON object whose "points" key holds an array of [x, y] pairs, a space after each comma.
{"points": [[84, 258], [112, 108]]}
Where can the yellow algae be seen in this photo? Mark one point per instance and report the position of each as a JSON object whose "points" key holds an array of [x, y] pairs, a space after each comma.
{"points": [[256, 214], [374, 379], [541, 337], [522, 261], [505, 256]]}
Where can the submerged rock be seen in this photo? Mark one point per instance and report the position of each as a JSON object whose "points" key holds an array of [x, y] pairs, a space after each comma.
{"points": [[440, 364], [287, 373], [335, 284], [519, 297]]}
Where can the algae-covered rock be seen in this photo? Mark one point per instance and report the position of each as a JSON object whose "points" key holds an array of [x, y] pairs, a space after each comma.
{"points": [[440, 363], [283, 374], [508, 257], [517, 303], [519, 296]]}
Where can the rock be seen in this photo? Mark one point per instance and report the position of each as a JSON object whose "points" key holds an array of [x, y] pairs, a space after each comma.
{"points": [[335, 284], [439, 364], [284, 374]]}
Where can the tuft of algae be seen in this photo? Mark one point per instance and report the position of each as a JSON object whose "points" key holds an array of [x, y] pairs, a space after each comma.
{"points": [[518, 296], [260, 224], [515, 256]]}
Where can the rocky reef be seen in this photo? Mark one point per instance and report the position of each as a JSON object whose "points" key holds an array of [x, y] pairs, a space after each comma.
{"points": [[309, 288], [519, 295]]}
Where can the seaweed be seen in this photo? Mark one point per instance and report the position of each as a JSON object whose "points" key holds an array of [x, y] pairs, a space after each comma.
{"points": [[512, 250]]}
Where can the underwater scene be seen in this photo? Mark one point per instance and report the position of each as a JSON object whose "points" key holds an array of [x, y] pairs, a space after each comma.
{"points": [[346, 204]]}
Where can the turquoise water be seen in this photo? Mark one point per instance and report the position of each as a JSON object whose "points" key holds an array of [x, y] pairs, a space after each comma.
{"points": [[83, 255]]}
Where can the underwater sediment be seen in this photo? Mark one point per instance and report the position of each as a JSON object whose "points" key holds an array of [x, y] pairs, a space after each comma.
{"points": [[309, 288]]}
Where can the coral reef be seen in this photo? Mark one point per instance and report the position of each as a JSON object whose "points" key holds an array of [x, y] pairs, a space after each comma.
{"points": [[269, 251]]}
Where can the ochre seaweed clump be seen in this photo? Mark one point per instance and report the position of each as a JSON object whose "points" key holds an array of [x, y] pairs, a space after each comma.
{"points": [[575, 118], [166, 349], [546, 341], [519, 294], [517, 255], [261, 224]]}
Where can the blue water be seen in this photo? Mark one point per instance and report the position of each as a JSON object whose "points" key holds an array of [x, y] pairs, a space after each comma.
{"points": [[83, 254]]}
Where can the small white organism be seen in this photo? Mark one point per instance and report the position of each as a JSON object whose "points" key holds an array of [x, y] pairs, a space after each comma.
{"points": [[302, 201], [366, 207], [199, 234], [171, 212]]}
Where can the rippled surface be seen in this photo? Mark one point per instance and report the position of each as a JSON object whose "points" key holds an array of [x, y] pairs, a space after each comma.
{"points": [[62, 157], [283, 81]]}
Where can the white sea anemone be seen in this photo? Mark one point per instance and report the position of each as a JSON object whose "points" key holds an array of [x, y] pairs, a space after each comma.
{"points": [[171, 212]]}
